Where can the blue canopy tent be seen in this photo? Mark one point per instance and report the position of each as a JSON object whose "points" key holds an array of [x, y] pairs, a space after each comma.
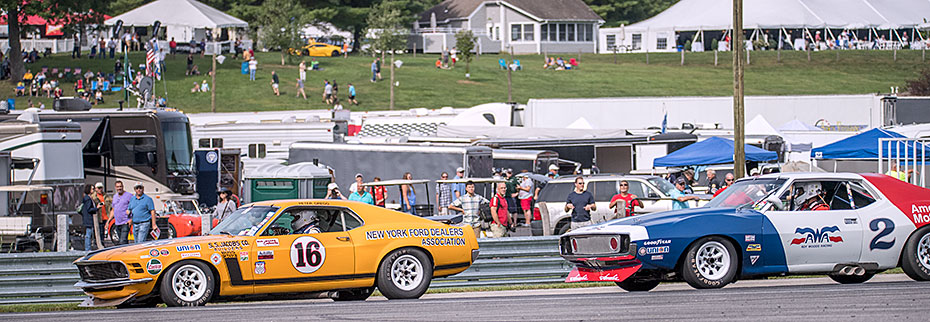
{"points": [[865, 146], [714, 150]]}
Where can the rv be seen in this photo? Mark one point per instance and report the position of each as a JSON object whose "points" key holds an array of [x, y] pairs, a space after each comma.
{"points": [[535, 161]]}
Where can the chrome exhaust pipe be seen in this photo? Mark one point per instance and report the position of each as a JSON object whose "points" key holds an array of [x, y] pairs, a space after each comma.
{"points": [[859, 271], [846, 270]]}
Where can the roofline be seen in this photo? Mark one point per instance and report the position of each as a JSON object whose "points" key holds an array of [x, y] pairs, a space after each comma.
{"points": [[515, 8]]}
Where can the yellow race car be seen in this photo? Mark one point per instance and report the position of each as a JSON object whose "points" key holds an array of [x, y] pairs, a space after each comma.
{"points": [[319, 49], [340, 249]]}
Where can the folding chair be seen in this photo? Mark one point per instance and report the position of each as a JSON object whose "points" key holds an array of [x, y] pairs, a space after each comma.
{"points": [[516, 63], [106, 86], [503, 63], [93, 85]]}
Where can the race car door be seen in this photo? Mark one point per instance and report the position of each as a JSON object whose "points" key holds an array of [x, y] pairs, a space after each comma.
{"points": [[289, 256], [817, 240]]}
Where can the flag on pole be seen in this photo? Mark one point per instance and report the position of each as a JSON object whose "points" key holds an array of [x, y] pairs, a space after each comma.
{"points": [[151, 58], [664, 122]]}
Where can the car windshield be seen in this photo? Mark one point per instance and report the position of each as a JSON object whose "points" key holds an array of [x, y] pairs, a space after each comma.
{"points": [[745, 192], [245, 221], [662, 184]]}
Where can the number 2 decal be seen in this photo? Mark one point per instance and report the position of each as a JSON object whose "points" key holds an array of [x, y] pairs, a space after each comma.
{"points": [[307, 254], [888, 228]]}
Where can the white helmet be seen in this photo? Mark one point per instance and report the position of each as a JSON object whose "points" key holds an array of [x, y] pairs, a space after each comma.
{"points": [[805, 191], [303, 219]]}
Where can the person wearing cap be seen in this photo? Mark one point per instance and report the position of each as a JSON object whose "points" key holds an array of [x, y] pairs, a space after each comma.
{"points": [[458, 189], [444, 195], [681, 199], [120, 202], [224, 207], [142, 209], [362, 195], [104, 205], [357, 184], [553, 171], [525, 194], [332, 192]]}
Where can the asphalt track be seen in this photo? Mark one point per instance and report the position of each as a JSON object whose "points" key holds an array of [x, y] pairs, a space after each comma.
{"points": [[884, 298]]}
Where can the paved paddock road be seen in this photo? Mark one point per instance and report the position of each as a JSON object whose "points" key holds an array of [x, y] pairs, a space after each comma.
{"points": [[885, 298]]}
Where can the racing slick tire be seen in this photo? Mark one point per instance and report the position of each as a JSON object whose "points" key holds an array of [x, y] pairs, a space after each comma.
{"points": [[711, 262], [188, 283], [851, 279], [404, 274], [915, 261], [638, 285], [359, 294]]}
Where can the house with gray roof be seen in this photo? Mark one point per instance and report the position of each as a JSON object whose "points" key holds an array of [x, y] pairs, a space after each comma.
{"points": [[528, 26]]}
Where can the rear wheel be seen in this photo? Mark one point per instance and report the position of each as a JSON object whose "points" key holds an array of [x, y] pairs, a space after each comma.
{"points": [[335, 53], [189, 283], [353, 295], [638, 285], [404, 274], [564, 227], [852, 279], [915, 261], [711, 262]]}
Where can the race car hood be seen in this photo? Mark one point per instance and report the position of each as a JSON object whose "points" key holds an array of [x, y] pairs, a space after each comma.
{"points": [[116, 252], [640, 227]]}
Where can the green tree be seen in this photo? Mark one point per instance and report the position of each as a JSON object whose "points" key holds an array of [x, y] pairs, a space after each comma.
{"points": [[280, 23], [616, 12], [921, 85], [465, 43], [388, 33]]}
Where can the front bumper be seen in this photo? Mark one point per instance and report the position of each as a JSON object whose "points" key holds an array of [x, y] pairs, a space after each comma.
{"points": [[603, 269], [99, 286]]}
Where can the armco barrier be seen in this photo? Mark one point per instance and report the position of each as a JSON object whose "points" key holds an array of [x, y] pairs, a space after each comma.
{"points": [[50, 277]]}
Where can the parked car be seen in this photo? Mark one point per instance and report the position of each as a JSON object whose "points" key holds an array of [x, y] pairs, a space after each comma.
{"points": [[313, 48], [652, 191]]}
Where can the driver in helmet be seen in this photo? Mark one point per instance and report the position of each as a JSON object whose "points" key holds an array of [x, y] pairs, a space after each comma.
{"points": [[306, 222], [809, 196]]}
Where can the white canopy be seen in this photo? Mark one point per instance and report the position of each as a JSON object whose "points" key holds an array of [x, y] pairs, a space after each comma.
{"points": [[187, 13], [689, 15], [760, 126]]}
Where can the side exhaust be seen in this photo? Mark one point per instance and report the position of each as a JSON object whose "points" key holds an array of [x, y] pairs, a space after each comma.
{"points": [[851, 270]]}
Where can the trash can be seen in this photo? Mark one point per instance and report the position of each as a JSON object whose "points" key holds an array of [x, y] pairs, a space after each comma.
{"points": [[12, 103], [245, 68]]}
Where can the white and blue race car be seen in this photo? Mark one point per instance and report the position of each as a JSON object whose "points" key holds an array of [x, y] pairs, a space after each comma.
{"points": [[849, 226]]}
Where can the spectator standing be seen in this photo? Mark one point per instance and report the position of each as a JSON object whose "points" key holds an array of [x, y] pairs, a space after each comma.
{"points": [[453, 57], [553, 171], [352, 94], [327, 92], [111, 45], [224, 207], [378, 67], [104, 206], [679, 194], [630, 201], [76, 49], [525, 196], [727, 181], [380, 193], [408, 196], [300, 89], [103, 47], [443, 194], [470, 206], [302, 70], [362, 195], [512, 184], [580, 203], [274, 83], [359, 178], [173, 47], [713, 183], [142, 209], [88, 217], [253, 67], [120, 218], [190, 64], [332, 192], [458, 189], [499, 213], [374, 70]]}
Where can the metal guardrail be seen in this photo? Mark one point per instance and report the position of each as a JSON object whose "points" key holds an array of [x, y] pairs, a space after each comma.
{"points": [[32, 278]]}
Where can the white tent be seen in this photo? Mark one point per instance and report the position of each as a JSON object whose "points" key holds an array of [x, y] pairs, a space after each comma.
{"points": [[182, 18], [760, 126]]}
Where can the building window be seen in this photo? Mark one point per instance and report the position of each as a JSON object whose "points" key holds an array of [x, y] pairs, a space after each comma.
{"points": [[544, 32], [637, 41], [528, 32], [257, 151], [611, 42], [563, 32], [553, 32], [571, 31], [589, 32], [516, 32], [661, 43]]}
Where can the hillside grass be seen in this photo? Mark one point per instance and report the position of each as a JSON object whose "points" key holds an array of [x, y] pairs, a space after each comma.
{"points": [[420, 84]]}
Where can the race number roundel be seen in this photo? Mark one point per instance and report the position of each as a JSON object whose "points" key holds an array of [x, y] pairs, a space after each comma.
{"points": [[307, 254]]}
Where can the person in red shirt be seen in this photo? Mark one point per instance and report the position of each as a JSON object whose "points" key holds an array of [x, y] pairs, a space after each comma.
{"points": [[499, 207], [173, 45], [726, 183], [380, 193], [630, 199]]}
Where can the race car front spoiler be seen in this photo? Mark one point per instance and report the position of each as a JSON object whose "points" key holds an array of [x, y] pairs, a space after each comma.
{"points": [[603, 269]]}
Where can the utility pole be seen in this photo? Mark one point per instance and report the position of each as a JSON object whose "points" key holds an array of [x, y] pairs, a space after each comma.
{"points": [[392, 79], [509, 80], [739, 119], [213, 82]]}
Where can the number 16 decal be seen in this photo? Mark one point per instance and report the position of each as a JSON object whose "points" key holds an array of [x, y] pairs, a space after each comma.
{"points": [[307, 254], [888, 227]]}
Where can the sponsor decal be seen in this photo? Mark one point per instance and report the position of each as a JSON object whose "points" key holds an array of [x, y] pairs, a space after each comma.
{"points": [[215, 259], [153, 266], [145, 257], [609, 277], [817, 238], [186, 255], [230, 245], [187, 248], [657, 242], [754, 248], [642, 252], [579, 278], [750, 238], [259, 268], [653, 250], [153, 253], [307, 254], [921, 213], [164, 252], [753, 259], [265, 255], [657, 257], [270, 242], [243, 256]]}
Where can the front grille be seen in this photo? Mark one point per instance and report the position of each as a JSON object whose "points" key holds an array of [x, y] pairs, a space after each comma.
{"points": [[596, 245], [102, 271]]}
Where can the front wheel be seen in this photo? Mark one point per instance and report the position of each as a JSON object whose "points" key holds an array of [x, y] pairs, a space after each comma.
{"points": [[915, 261], [852, 279], [188, 283], [172, 233], [711, 262], [353, 295], [638, 285], [404, 274]]}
